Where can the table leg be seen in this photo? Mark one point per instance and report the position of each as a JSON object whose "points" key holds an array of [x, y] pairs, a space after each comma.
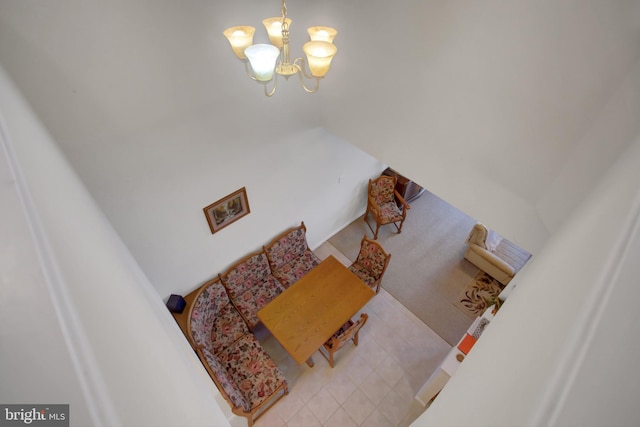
{"points": [[310, 362]]}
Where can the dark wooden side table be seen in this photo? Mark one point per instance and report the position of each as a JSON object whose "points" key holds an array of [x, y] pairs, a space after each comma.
{"points": [[408, 189]]}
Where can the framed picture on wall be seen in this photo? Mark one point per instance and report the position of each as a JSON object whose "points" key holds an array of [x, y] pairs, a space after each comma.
{"points": [[227, 210]]}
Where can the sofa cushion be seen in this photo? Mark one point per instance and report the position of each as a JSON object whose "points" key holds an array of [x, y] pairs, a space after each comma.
{"points": [[226, 381], [214, 321], [253, 299], [251, 286], [249, 367], [292, 271], [228, 326], [248, 273], [287, 248]]}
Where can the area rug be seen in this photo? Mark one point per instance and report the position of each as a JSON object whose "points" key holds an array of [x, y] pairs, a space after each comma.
{"points": [[478, 295]]}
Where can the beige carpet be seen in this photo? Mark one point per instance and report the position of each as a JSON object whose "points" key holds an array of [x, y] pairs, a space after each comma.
{"points": [[427, 272]]}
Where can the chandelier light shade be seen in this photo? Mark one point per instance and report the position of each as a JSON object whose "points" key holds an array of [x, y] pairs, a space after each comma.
{"points": [[240, 38], [262, 58], [274, 29], [319, 54], [324, 34], [264, 62]]}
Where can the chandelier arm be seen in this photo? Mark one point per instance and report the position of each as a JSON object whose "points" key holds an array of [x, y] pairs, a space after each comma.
{"points": [[306, 89], [248, 70], [303, 68], [275, 86]]}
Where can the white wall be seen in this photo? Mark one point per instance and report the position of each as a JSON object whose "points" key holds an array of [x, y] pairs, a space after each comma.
{"points": [[484, 102], [30, 327], [561, 350], [610, 132], [503, 109], [156, 136], [86, 327], [309, 176]]}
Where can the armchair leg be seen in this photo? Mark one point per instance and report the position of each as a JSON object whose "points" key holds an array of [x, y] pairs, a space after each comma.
{"points": [[366, 220]]}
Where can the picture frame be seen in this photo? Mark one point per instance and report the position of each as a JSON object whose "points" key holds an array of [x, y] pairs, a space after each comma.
{"points": [[227, 210]]}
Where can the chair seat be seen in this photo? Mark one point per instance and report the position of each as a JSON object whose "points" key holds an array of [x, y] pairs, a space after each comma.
{"points": [[347, 332], [338, 334], [363, 273], [390, 212]]}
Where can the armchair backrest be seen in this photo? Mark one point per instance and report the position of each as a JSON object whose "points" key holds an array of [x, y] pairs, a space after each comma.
{"points": [[382, 188], [373, 257], [346, 333]]}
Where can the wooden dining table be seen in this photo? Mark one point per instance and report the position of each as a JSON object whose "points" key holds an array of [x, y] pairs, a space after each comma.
{"points": [[310, 311]]}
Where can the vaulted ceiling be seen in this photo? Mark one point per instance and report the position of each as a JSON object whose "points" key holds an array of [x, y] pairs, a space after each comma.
{"points": [[485, 103]]}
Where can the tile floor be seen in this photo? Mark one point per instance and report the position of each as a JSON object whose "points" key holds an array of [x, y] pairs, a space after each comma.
{"points": [[371, 385]]}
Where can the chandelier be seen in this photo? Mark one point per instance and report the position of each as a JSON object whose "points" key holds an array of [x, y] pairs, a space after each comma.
{"points": [[261, 60]]}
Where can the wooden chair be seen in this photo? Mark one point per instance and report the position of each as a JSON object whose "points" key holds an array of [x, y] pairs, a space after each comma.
{"points": [[371, 263], [349, 331], [382, 205]]}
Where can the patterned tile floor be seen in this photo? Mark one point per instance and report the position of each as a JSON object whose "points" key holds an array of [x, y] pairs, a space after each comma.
{"points": [[371, 385]]}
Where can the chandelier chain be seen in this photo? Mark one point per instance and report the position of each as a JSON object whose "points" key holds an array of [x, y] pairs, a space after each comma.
{"points": [[284, 12]]}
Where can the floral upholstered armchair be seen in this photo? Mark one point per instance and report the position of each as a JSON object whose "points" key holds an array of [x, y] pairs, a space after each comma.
{"points": [[371, 263], [382, 205]]}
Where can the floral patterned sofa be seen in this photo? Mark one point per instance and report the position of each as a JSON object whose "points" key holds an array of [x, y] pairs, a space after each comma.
{"points": [[238, 364], [251, 285], [289, 255]]}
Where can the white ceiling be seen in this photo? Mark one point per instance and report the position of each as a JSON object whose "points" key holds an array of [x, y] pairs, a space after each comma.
{"points": [[484, 103]]}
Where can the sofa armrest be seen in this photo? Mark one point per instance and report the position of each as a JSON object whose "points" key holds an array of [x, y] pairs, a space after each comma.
{"points": [[492, 259]]}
